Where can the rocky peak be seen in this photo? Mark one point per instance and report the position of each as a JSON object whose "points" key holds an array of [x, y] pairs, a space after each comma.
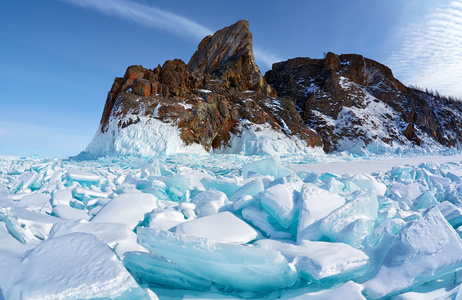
{"points": [[229, 54], [352, 98], [220, 101]]}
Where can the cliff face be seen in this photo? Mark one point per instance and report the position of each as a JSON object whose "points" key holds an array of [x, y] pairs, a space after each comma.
{"points": [[213, 101], [220, 102], [354, 101]]}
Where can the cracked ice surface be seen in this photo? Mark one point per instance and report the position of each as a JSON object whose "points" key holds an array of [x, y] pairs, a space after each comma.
{"points": [[231, 226]]}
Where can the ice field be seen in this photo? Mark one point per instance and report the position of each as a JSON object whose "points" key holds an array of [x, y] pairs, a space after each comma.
{"points": [[231, 227]]}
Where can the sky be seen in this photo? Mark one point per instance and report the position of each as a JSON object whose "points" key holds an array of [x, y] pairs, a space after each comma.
{"points": [[58, 58]]}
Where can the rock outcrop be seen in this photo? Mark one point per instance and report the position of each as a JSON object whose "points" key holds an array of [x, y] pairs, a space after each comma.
{"points": [[355, 102], [214, 101], [228, 54], [219, 102]]}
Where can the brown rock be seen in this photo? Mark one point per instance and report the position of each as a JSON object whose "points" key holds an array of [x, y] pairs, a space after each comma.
{"points": [[321, 101], [142, 87], [174, 74], [334, 96], [229, 54]]}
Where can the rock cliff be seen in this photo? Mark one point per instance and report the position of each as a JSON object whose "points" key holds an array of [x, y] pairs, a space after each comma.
{"points": [[354, 103], [220, 102]]}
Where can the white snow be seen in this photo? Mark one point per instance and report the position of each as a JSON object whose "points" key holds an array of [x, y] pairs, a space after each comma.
{"points": [[147, 137], [128, 208], [256, 139], [428, 249], [222, 227], [73, 266], [316, 204], [317, 261]]}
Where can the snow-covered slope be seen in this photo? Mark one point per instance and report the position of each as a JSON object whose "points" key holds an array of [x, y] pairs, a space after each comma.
{"points": [[148, 137], [152, 137]]}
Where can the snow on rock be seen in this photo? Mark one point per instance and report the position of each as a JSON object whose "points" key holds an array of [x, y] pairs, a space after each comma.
{"points": [[261, 139], [428, 249], [222, 227], [148, 137], [322, 261], [244, 268], [129, 209], [91, 270]]}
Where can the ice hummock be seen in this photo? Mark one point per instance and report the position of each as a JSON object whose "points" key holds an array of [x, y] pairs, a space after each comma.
{"points": [[321, 261], [426, 250], [352, 222], [343, 219], [151, 269], [282, 202], [72, 266], [317, 203], [239, 267], [129, 209], [222, 227]]}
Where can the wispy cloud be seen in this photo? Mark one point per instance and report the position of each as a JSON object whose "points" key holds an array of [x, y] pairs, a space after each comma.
{"points": [[431, 56], [146, 15], [265, 57], [153, 17]]}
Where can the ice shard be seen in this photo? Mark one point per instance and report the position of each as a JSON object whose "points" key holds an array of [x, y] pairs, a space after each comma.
{"points": [[239, 267], [428, 249]]}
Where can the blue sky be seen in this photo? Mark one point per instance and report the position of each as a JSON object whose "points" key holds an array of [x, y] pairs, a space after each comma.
{"points": [[58, 58]]}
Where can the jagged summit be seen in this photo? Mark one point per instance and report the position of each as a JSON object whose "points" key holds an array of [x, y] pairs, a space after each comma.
{"points": [[229, 54], [220, 103], [229, 44]]}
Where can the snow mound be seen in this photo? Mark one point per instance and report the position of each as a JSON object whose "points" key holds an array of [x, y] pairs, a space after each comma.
{"points": [[91, 271], [222, 227]]}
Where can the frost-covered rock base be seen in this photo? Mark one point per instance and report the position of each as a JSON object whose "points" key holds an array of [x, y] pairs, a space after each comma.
{"points": [[228, 226]]}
